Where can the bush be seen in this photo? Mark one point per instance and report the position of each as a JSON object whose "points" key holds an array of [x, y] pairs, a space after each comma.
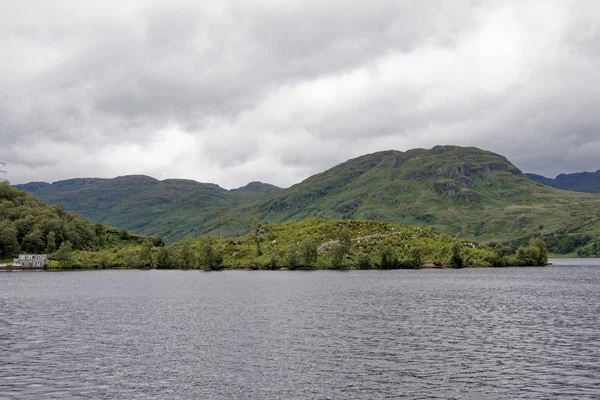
{"points": [[292, 258], [456, 259], [308, 252], [416, 257], [363, 261], [385, 254], [337, 256], [535, 254]]}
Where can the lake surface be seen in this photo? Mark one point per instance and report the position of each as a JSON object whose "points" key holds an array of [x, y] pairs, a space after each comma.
{"points": [[468, 334]]}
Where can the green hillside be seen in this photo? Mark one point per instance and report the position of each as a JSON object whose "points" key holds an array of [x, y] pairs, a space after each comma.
{"points": [[29, 226], [466, 191], [174, 208], [456, 190]]}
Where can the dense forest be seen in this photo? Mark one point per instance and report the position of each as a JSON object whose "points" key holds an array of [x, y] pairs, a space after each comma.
{"points": [[27, 225]]}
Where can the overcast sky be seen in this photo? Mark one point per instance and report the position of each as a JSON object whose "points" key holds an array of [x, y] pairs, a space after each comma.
{"points": [[234, 91]]}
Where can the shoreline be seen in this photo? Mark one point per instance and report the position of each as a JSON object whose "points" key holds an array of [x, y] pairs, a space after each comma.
{"points": [[423, 267]]}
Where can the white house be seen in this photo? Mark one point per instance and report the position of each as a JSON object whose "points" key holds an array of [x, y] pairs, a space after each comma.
{"points": [[30, 261]]}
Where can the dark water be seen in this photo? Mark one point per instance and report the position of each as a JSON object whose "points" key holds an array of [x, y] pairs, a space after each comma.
{"points": [[468, 334]]}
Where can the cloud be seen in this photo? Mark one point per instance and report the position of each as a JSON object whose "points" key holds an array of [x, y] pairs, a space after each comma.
{"points": [[235, 91]]}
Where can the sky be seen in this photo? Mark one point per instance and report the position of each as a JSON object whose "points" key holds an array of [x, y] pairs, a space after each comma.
{"points": [[230, 92]]}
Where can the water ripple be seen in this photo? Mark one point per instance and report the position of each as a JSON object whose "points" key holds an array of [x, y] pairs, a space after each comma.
{"points": [[469, 334]]}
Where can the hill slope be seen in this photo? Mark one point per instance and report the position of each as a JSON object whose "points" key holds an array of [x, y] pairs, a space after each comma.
{"points": [[175, 208], [28, 225], [456, 190], [468, 191], [588, 182]]}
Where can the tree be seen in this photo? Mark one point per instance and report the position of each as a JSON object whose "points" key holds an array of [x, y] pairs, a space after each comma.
{"points": [[51, 242], [105, 260], [124, 234], [99, 229], [257, 244], [345, 240], [159, 241], [273, 262], [256, 225], [501, 250], [385, 254], [64, 255], [542, 258], [341, 249], [9, 245], [308, 252], [186, 255], [292, 258], [416, 256], [456, 259], [164, 258], [33, 242], [501, 255], [363, 261], [211, 259], [337, 256], [146, 254], [527, 255]]}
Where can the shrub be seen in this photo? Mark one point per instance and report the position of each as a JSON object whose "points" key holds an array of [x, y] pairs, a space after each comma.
{"points": [[363, 261]]}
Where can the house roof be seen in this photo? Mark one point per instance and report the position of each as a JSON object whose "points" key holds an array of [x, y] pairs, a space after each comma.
{"points": [[33, 256]]}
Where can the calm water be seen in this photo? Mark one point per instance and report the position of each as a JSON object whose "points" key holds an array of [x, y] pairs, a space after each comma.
{"points": [[468, 334]]}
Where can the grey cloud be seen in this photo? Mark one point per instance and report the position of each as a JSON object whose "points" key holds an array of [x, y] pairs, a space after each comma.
{"points": [[89, 79]]}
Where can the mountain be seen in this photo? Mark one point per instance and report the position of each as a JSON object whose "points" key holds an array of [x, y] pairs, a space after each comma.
{"points": [[456, 190], [588, 182], [257, 187], [175, 208]]}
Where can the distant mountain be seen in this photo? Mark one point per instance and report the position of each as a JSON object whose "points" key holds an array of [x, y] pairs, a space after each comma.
{"points": [[456, 190], [257, 187], [175, 208], [588, 182]]}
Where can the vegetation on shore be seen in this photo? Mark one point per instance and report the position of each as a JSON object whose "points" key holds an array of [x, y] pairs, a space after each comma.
{"points": [[29, 226], [310, 244]]}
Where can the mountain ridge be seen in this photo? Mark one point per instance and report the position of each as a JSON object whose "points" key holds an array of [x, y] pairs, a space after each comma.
{"points": [[587, 182], [457, 190]]}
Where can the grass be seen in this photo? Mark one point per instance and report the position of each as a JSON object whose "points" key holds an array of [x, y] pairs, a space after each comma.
{"points": [[567, 255]]}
